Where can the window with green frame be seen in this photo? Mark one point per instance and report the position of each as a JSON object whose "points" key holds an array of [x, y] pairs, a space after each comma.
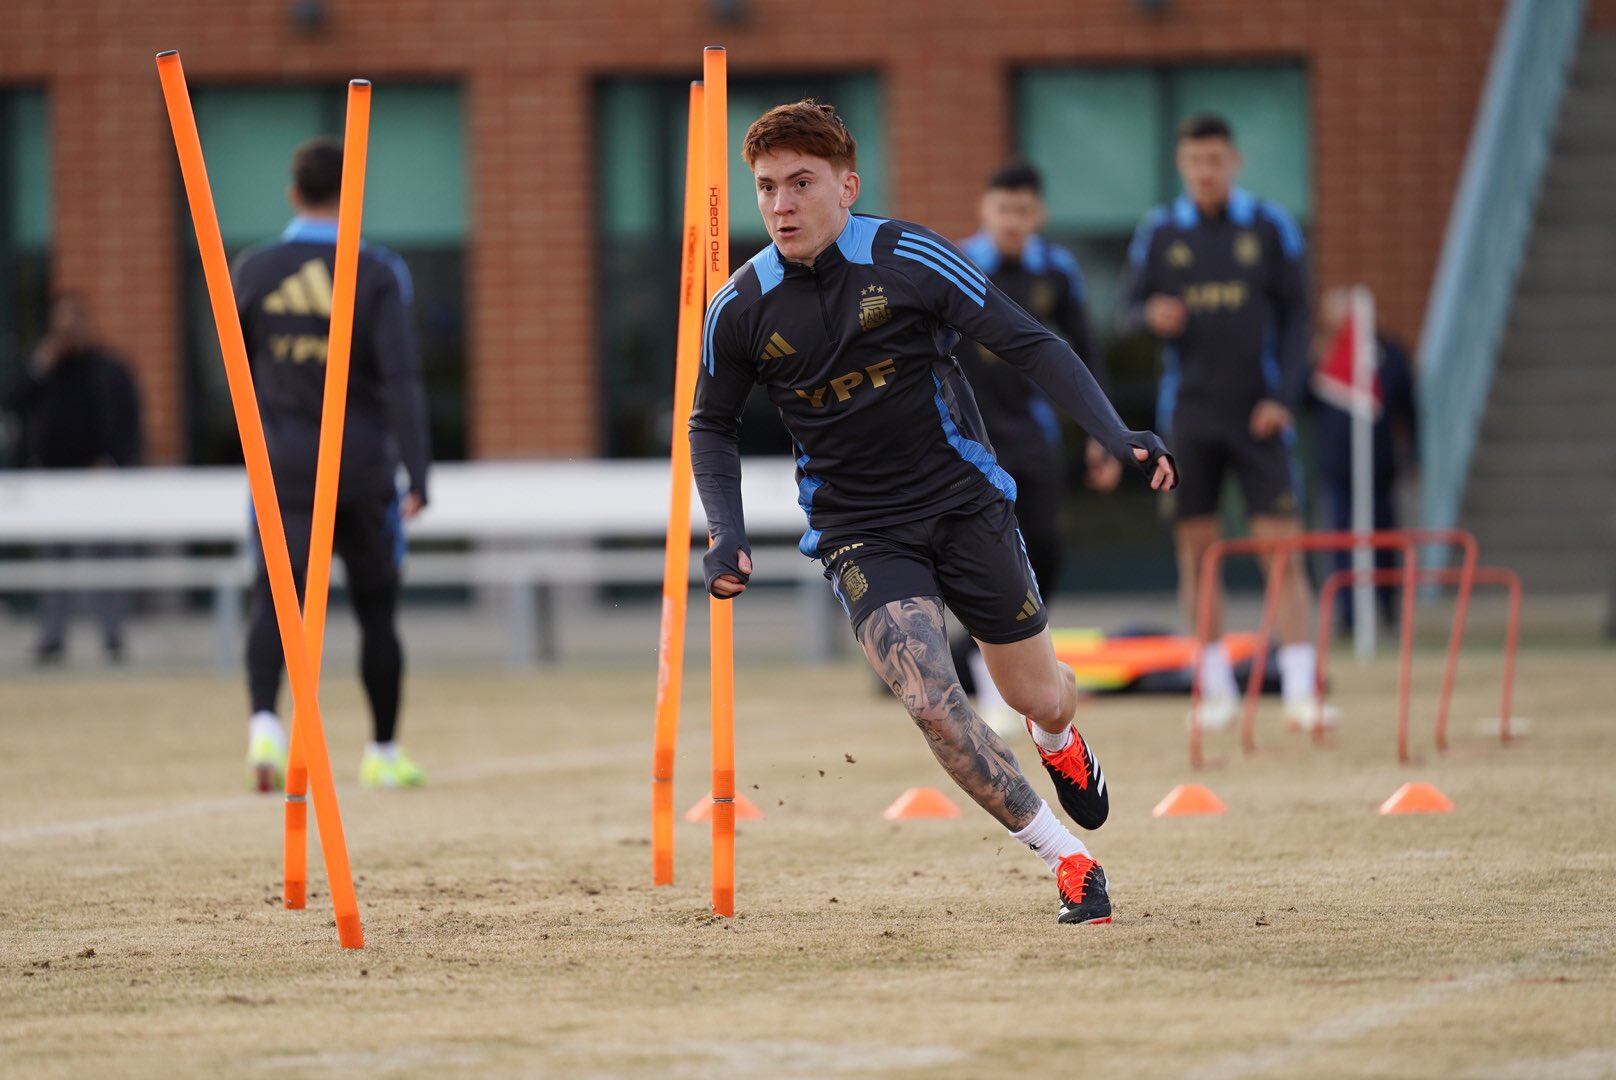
{"points": [[640, 128], [1104, 138], [25, 236], [415, 204]]}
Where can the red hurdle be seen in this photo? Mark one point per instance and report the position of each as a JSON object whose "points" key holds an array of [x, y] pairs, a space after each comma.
{"points": [[1282, 549], [1484, 575]]}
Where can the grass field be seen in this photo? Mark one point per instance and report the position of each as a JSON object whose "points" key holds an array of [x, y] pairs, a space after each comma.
{"points": [[512, 930]]}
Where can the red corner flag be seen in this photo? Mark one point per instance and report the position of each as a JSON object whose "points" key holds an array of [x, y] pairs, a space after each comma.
{"points": [[1332, 381]]}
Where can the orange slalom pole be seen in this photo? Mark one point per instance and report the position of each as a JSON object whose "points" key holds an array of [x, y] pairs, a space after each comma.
{"points": [[316, 589], [721, 613], [676, 554], [271, 531]]}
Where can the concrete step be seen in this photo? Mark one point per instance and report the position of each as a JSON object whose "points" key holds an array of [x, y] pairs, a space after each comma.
{"points": [[1530, 419], [1565, 313], [1581, 349], [1563, 240], [1552, 576], [1561, 534], [1587, 103], [1562, 492], [1596, 62], [1584, 260], [1577, 171], [1556, 385], [1549, 277], [1537, 459]]}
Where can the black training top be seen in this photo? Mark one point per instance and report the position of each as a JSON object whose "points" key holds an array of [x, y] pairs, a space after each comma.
{"points": [[84, 412], [1240, 273], [1046, 280], [283, 292], [855, 351]]}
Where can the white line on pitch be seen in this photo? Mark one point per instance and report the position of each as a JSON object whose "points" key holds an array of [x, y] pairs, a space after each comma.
{"points": [[1354, 1025], [581, 757]]}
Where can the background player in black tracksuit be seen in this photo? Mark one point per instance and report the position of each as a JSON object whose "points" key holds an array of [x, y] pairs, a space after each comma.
{"points": [[850, 323], [283, 291], [1044, 279], [1218, 276]]}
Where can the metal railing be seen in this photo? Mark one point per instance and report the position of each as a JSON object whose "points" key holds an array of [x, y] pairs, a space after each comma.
{"points": [[1486, 240]]}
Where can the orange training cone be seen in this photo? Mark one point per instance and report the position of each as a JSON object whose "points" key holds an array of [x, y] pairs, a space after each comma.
{"points": [[1417, 798], [745, 809], [1189, 800], [921, 802]]}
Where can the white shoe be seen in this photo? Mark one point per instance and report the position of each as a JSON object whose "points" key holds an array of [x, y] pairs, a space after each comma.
{"points": [[1217, 713], [1309, 714]]}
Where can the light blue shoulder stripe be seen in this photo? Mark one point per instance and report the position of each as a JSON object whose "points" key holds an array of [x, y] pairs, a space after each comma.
{"points": [[1139, 247], [947, 255], [725, 295], [976, 295], [768, 267], [857, 242], [1067, 263], [1290, 237], [980, 250], [1241, 206]]}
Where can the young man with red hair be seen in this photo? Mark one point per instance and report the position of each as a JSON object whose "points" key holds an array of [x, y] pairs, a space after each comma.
{"points": [[850, 322]]}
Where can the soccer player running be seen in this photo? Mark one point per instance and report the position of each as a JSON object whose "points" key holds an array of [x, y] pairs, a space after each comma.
{"points": [[283, 291], [1045, 280], [1217, 275], [850, 322]]}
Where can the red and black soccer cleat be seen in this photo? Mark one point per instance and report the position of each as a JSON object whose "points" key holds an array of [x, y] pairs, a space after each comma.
{"points": [[1082, 891], [1079, 783]]}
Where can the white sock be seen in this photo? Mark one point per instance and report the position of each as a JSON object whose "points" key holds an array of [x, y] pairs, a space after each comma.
{"points": [[1049, 839], [1217, 674], [1298, 671], [266, 723], [988, 698], [1052, 744], [388, 750]]}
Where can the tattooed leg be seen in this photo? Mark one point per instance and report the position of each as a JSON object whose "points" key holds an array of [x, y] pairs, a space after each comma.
{"points": [[908, 646]]}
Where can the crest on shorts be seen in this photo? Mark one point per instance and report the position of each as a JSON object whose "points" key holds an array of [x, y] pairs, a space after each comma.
{"points": [[854, 584], [1246, 249], [873, 309], [1179, 254]]}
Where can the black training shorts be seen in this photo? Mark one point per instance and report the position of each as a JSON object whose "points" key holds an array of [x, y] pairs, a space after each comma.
{"points": [[368, 536], [973, 557], [1206, 449]]}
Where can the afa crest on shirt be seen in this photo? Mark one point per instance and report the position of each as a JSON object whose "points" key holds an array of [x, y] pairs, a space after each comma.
{"points": [[1179, 254], [1246, 249], [873, 309]]}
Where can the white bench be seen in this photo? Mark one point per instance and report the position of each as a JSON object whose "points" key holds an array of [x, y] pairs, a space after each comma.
{"points": [[528, 526]]}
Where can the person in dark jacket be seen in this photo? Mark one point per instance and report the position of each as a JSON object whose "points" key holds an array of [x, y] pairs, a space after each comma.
{"points": [[78, 409], [283, 293], [850, 323], [1393, 438]]}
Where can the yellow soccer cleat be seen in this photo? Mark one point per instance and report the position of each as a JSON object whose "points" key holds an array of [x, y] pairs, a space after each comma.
{"points": [[389, 769], [266, 763]]}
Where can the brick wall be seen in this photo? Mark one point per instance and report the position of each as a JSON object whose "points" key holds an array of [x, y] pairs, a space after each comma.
{"points": [[1394, 84]]}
